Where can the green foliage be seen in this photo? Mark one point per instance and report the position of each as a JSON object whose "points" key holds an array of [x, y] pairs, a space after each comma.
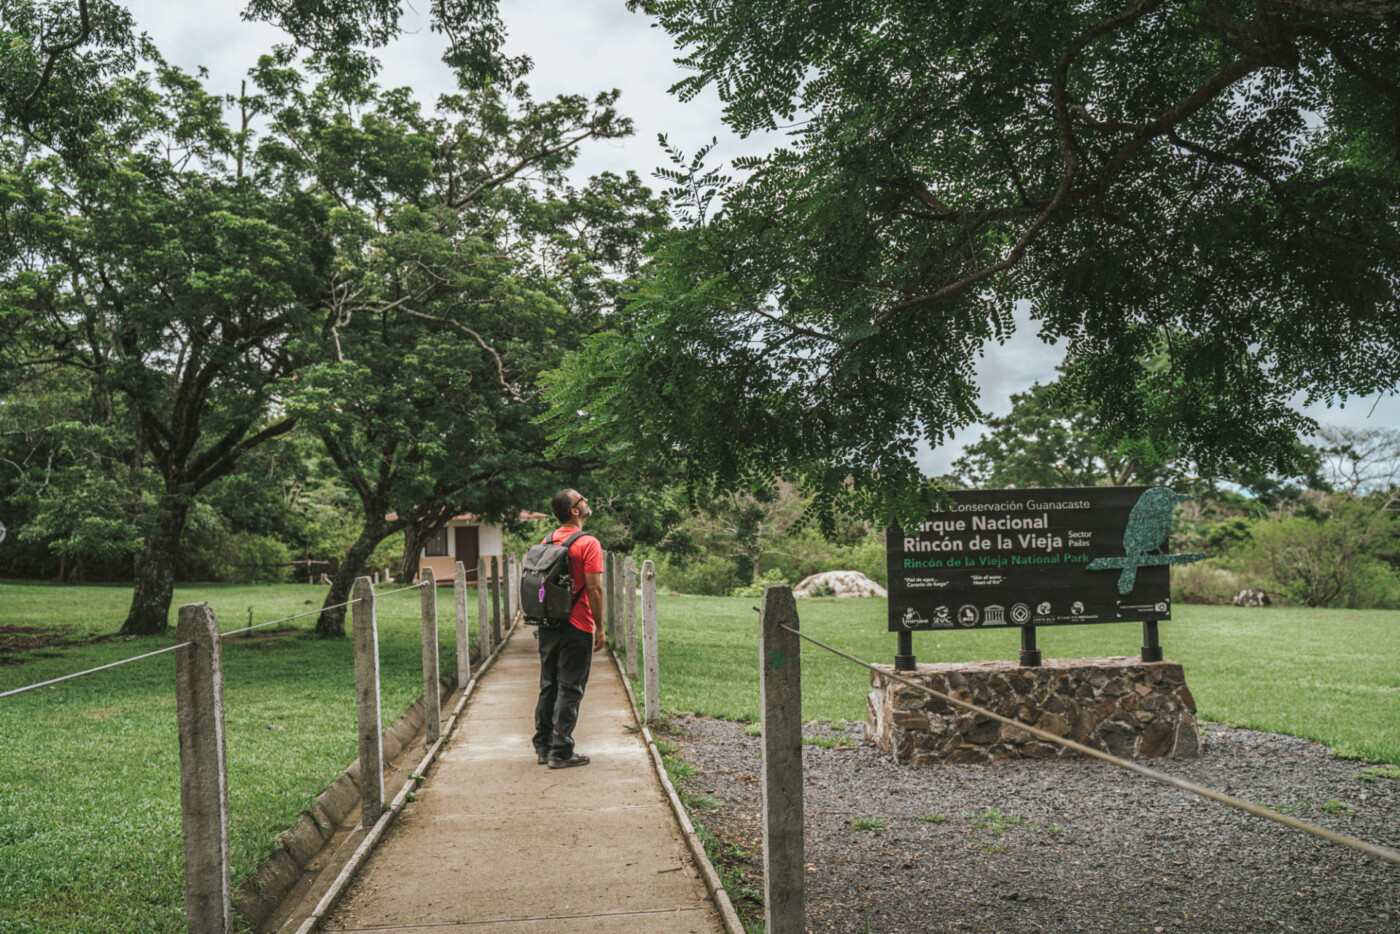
{"points": [[869, 823], [236, 557], [1189, 198], [756, 588], [1205, 582], [460, 285], [1048, 441], [1377, 772], [998, 822], [211, 271], [89, 806], [1331, 558]]}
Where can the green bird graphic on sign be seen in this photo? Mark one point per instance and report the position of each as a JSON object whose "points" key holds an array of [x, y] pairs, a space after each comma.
{"points": [[1149, 526]]}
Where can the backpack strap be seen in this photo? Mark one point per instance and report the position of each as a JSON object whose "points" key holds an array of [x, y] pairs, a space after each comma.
{"points": [[568, 543]]}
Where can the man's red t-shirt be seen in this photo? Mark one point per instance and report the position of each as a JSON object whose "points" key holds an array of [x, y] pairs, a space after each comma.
{"points": [[585, 557]]}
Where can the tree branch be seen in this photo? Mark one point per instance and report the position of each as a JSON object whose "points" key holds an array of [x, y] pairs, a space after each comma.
{"points": [[54, 51], [500, 367], [515, 169]]}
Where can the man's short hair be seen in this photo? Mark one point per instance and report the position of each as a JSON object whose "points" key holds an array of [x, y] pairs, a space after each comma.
{"points": [[563, 504]]}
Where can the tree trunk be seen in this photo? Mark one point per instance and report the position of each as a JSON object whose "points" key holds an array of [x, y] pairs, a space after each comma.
{"points": [[413, 538], [331, 622], [155, 576]]}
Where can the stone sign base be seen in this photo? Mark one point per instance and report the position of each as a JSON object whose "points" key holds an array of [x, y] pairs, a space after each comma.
{"points": [[1124, 706]]}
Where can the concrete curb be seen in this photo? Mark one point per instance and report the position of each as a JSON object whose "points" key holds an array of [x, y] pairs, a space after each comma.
{"points": [[262, 893], [303, 841], [348, 871], [732, 924]]}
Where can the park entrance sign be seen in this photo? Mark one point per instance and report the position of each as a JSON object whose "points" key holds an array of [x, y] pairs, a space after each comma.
{"points": [[1028, 558]]}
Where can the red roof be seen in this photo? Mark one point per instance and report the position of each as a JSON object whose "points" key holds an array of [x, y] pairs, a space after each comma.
{"points": [[525, 514]]}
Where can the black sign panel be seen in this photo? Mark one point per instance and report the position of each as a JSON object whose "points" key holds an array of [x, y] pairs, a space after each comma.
{"points": [[1035, 557]]}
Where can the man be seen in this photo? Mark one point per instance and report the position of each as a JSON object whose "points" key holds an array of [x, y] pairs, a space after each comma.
{"points": [[566, 653]]}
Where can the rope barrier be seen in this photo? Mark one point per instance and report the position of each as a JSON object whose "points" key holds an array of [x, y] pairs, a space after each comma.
{"points": [[222, 636], [79, 674], [335, 606], [400, 590], [1331, 836]]}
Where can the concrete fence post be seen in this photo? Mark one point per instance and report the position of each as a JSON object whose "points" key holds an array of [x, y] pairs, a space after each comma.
{"points": [[629, 612], [508, 594], [495, 575], [515, 566], [459, 602], [432, 687], [652, 686], [199, 711], [365, 632], [780, 665], [606, 619], [483, 609], [512, 588], [615, 598], [610, 601]]}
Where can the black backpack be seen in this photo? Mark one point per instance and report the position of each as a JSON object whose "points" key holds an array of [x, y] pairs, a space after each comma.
{"points": [[547, 594]]}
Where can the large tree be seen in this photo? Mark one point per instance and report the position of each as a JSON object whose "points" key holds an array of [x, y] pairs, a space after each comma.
{"points": [[171, 272], [1209, 186], [1047, 441], [465, 264], [152, 242]]}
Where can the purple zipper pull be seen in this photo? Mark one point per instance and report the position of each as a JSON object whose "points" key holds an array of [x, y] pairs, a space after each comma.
{"points": [[541, 593]]}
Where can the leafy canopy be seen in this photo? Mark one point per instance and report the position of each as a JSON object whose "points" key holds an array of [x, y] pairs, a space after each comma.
{"points": [[1213, 186]]}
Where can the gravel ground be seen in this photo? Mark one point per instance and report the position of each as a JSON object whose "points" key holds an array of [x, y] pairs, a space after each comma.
{"points": [[1074, 846]]}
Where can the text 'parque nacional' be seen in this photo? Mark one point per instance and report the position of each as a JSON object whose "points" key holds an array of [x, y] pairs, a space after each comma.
{"points": [[1035, 558]]}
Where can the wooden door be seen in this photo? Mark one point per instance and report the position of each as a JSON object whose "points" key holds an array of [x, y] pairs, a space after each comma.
{"points": [[468, 549]]}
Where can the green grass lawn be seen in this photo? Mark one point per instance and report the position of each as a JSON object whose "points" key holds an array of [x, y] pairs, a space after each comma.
{"points": [[89, 769], [1328, 675], [89, 815]]}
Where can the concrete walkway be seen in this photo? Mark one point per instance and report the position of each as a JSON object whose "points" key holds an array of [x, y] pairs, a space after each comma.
{"points": [[498, 843]]}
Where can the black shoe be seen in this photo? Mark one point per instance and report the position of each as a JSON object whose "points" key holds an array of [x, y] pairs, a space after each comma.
{"points": [[542, 758], [568, 763]]}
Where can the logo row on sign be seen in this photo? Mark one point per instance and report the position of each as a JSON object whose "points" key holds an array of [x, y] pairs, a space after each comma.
{"points": [[970, 616]]}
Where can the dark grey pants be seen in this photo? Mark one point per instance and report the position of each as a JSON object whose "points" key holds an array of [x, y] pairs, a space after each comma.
{"points": [[566, 655]]}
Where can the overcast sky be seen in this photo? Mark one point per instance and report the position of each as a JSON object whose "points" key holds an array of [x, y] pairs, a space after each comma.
{"points": [[586, 46]]}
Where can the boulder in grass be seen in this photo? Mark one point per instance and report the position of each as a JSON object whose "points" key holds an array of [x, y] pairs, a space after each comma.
{"points": [[1251, 597], [838, 584]]}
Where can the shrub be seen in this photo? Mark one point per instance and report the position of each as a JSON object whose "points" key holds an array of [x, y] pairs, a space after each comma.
{"points": [[755, 588], [213, 554], [1328, 559], [1204, 582]]}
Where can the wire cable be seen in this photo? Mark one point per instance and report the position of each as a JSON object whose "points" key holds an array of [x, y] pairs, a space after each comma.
{"points": [[222, 636], [400, 590], [79, 674], [334, 606]]}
